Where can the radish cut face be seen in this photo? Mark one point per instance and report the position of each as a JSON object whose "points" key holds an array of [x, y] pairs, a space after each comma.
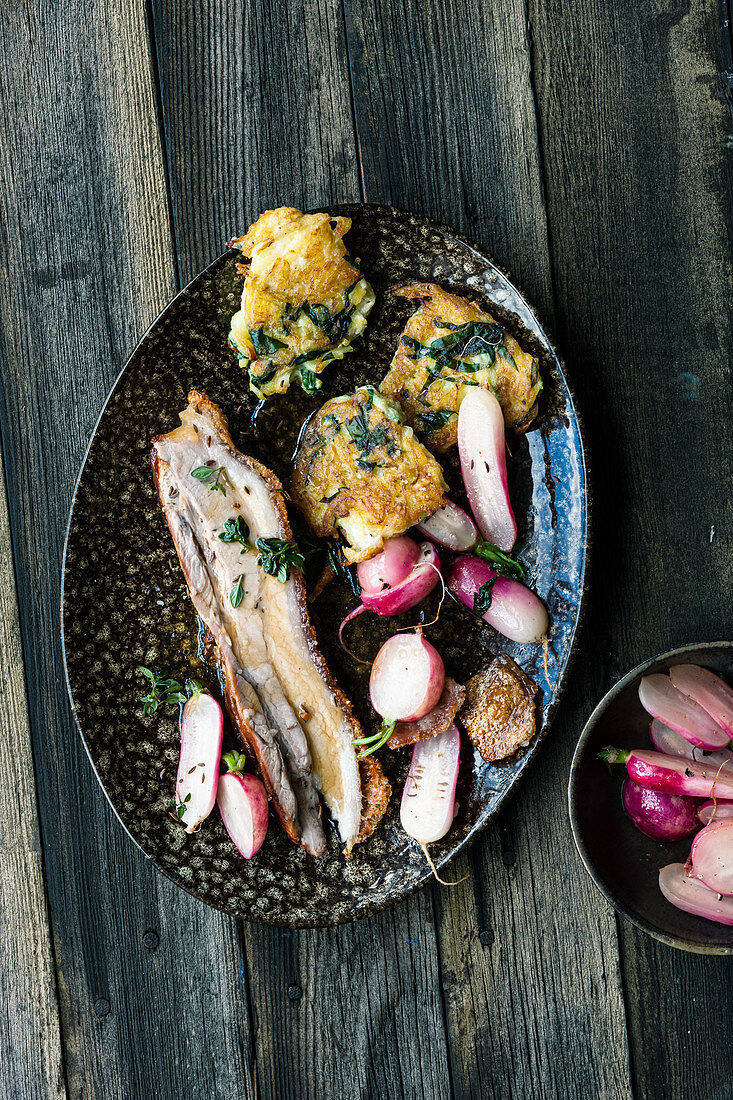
{"points": [[407, 678], [669, 741], [243, 807], [198, 764], [707, 689], [662, 700], [428, 799], [717, 810], [407, 589], [689, 894], [482, 449], [712, 856], [451, 527]]}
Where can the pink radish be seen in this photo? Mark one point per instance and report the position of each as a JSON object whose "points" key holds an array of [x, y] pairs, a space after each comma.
{"points": [[669, 741], [451, 527], [400, 576], [712, 856], [198, 764], [707, 689], [514, 610], [672, 774], [406, 682], [664, 817], [428, 798], [717, 810], [689, 894], [481, 446], [662, 700], [243, 807]]}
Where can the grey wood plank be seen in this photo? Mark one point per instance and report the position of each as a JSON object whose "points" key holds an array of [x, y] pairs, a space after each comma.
{"points": [[529, 958], [632, 101], [152, 995], [355, 1011], [31, 1053]]}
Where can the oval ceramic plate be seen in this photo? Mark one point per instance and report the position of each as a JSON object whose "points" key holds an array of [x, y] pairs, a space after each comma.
{"points": [[125, 601], [623, 863]]}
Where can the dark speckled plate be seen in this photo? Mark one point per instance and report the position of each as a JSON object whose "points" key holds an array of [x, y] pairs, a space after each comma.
{"points": [[125, 601]]}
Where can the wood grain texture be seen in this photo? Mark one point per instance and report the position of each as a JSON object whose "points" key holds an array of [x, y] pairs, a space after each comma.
{"points": [[87, 263], [334, 1011], [635, 133], [529, 957], [31, 1053]]}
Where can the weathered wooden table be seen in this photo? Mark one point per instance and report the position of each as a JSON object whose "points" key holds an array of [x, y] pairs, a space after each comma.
{"points": [[586, 145]]}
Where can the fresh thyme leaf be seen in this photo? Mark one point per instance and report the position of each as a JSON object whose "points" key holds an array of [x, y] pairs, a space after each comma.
{"points": [[264, 344], [163, 691], [236, 530], [504, 564], [435, 419], [234, 760], [482, 598], [177, 805], [236, 594], [215, 476], [277, 557], [346, 574]]}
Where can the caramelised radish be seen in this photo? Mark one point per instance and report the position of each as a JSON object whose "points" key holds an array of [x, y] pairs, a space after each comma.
{"points": [[669, 741], [671, 773], [451, 527], [718, 809], [428, 798], [712, 856], [400, 576], [707, 689], [660, 698], [406, 682], [689, 894], [505, 604], [242, 801], [661, 816], [198, 764], [482, 449]]}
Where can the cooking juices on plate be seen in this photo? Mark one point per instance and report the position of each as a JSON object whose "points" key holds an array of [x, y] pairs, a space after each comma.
{"points": [[685, 787], [365, 473]]}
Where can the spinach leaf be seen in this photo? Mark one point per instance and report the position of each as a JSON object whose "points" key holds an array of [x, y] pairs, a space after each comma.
{"points": [[309, 380], [345, 573], [264, 344], [504, 564], [435, 419], [482, 598]]}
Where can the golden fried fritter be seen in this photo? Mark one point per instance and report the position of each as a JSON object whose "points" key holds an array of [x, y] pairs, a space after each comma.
{"points": [[304, 299], [361, 473], [499, 712], [446, 346]]}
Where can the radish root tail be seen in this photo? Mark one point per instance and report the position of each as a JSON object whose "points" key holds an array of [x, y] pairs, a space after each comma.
{"points": [[352, 615], [545, 650], [434, 869], [442, 598]]}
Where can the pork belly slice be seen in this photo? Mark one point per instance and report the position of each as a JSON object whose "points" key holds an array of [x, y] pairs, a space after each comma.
{"points": [[283, 701]]}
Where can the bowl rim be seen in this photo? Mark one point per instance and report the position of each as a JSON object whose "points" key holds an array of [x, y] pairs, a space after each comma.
{"points": [[619, 907]]}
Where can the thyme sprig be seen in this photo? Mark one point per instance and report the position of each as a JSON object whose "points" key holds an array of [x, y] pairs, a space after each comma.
{"points": [[164, 691], [215, 476], [278, 557]]}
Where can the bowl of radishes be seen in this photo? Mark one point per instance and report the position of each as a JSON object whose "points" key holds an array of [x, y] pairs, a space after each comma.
{"points": [[651, 797]]}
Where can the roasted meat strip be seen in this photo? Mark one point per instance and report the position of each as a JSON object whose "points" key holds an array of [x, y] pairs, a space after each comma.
{"points": [[285, 706]]}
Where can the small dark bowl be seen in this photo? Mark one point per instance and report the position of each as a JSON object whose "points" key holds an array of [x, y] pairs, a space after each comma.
{"points": [[623, 863]]}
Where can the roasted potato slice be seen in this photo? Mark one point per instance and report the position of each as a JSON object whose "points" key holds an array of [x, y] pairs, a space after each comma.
{"points": [[499, 712], [448, 345], [304, 299], [361, 473]]}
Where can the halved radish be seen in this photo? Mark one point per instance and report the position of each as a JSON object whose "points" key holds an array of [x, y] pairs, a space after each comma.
{"points": [[451, 527], [717, 809], [693, 896], [671, 773], [662, 700], [707, 689], [243, 807], [482, 448], [198, 764], [428, 799], [669, 741], [712, 856]]}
